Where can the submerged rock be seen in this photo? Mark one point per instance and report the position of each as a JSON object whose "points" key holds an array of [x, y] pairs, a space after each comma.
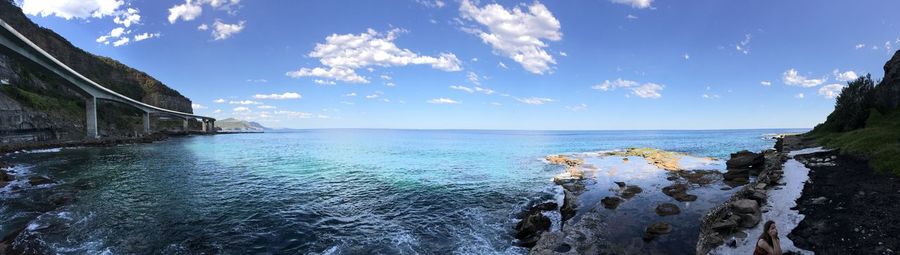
{"points": [[656, 229], [667, 209], [563, 160], [39, 180], [631, 190], [663, 159], [611, 202]]}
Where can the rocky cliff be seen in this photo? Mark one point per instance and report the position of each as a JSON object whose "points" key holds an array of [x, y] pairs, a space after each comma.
{"points": [[105, 71], [887, 93], [37, 105]]}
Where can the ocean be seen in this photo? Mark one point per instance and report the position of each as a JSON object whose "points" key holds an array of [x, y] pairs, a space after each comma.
{"points": [[333, 191]]}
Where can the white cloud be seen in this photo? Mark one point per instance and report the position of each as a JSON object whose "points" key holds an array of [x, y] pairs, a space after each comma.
{"points": [[285, 95], [473, 78], [686, 56], [831, 90], [563, 53], [485, 91], [640, 4], [534, 100], [121, 41], [390, 84], [217, 111], [442, 101], [257, 80], [766, 83], [631, 17], [743, 45], [241, 109], [502, 65], [646, 90], [373, 96], [800, 96], [793, 78], [219, 101], [222, 31], [845, 76], [244, 102], [266, 107], [386, 77], [114, 33], [68, 9], [129, 17], [203, 27], [197, 106], [186, 12], [432, 4], [324, 82], [463, 88], [343, 54], [516, 33], [710, 96], [496, 104], [351, 94], [860, 46], [577, 107], [145, 36]]}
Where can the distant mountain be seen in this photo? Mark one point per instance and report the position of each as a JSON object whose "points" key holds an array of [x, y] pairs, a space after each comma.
{"points": [[236, 125]]}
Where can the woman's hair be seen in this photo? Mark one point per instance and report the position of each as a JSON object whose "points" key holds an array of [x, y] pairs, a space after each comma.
{"points": [[765, 233]]}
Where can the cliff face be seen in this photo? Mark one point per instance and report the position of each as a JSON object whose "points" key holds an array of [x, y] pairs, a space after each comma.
{"points": [[37, 105], [105, 71], [887, 92]]}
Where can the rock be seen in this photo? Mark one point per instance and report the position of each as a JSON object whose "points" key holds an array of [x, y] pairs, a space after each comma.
{"points": [[685, 197], [61, 199], [39, 180], [725, 225], [749, 220], [818, 200], [548, 206], [620, 184], [655, 229], [745, 206], [673, 189], [758, 196], [701, 176], [563, 160], [745, 160], [562, 248], [760, 186], [631, 190], [529, 230], [569, 207], [4, 177], [611, 202], [574, 187], [667, 209]]}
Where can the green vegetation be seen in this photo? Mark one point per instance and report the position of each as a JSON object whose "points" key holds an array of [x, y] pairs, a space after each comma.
{"points": [[860, 126], [44, 103]]}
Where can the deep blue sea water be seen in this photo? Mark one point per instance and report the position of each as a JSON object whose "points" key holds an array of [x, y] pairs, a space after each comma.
{"points": [[318, 191]]}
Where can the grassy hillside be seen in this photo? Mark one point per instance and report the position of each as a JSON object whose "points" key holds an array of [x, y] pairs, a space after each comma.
{"points": [[879, 140]]}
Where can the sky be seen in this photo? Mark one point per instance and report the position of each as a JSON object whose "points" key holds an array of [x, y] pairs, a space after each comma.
{"points": [[468, 64]]}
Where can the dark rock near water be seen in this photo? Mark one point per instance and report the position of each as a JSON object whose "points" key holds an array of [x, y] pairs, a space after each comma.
{"points": [[667, 209], [39, 180], [656, 229], [569, 207], [749, 220], [548, 206], [745, 206], [673, 189], [529, 230], [631, 190], [745, 160], [611, 202], [620, 184]]}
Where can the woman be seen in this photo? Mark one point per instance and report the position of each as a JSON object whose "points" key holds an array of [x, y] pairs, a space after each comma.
{"points": [[768, 243]]}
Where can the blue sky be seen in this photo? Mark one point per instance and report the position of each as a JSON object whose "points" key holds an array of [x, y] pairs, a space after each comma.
{"points": [[601, 64]]}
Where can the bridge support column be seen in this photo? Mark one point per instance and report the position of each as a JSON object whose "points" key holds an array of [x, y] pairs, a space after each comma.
{"points": [[184, 125], [91, 117], [212, 126], [146, 123], [205, 126]]}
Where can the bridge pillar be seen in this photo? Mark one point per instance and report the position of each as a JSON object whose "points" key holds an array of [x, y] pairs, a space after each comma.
{"points": [[91, 117], [184, 125], [212, 126], [146, 122], [205, 126]]}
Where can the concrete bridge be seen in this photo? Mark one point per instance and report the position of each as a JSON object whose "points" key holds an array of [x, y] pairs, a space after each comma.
{"points": [[15, 41]]}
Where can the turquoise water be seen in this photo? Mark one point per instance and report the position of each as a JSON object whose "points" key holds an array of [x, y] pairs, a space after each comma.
{"points": [[318, 191]]}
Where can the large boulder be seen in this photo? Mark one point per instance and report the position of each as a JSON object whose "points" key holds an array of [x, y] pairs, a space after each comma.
{"points": [[631, 190], [529, 230], [745, 160], [569, 207], [745, 206], [611, 202], [667, 209], [888, 90]]}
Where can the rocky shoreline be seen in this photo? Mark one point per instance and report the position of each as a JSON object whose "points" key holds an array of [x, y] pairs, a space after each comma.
{"points": [[849, 207], [8, 175]]}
